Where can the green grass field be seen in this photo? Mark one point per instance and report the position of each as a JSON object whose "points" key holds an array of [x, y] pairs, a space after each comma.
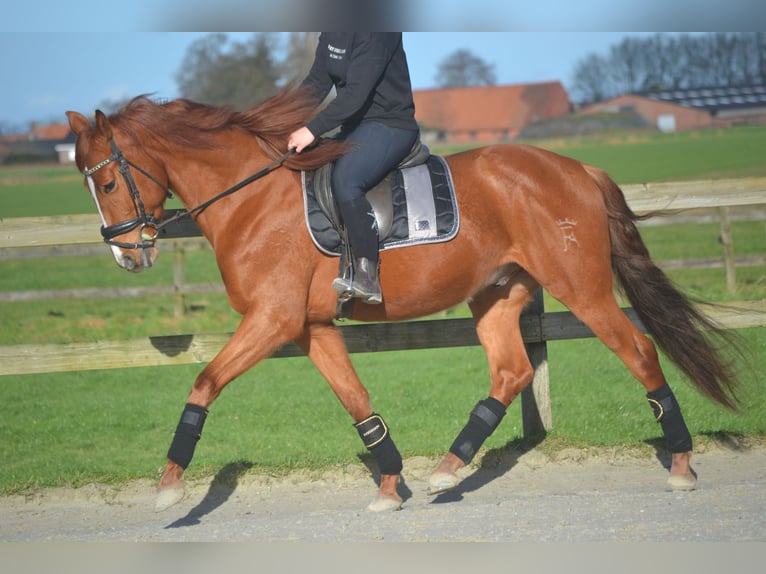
{"points": [[111, 425]]}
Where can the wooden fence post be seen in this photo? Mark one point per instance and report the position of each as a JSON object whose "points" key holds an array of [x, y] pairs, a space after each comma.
{"points": [[535, 399], [728, 249], [179, 280]]}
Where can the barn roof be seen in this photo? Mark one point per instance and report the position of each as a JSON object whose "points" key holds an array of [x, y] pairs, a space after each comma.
{"points": [[713, 99], [489, 107]]}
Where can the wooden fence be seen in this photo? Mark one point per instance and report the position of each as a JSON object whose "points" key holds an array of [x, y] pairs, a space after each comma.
{"points": [[538, 327], [186, 239], [176, 250]]}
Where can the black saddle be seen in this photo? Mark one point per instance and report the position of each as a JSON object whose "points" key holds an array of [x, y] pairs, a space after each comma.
{"points": [[413, 204]]}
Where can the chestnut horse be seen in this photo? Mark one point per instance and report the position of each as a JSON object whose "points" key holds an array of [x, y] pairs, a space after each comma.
{"points": [[529, 218]]}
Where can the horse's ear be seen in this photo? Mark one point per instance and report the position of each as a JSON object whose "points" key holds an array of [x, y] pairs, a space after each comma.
{"points": [[77, 122], [103, 125]]}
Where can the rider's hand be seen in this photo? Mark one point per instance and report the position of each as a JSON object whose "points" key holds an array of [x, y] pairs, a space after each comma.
{"points": [[300, 139]]}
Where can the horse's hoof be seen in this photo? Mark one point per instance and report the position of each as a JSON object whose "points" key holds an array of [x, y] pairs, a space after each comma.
{"points": [[681, 483], [384, 504], [442, 482], [167, 498]]}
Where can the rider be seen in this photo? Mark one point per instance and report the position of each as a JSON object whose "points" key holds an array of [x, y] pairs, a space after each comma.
{"points": [[374, 110]]}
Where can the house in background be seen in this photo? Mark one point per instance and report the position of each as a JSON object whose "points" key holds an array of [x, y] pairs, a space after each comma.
{"points": [[486, 113], [665, 116], [691, 109], [47, 142]]}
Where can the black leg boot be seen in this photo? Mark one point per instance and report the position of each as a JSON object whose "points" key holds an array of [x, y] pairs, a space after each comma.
{"points": [[362, 230]]}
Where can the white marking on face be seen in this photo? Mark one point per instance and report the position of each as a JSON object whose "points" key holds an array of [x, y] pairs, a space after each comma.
{"points": [[116, 251]]}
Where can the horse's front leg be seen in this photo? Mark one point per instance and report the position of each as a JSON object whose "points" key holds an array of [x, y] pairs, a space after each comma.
{"points": [[324, 345], [257, 336], [497, 313]]}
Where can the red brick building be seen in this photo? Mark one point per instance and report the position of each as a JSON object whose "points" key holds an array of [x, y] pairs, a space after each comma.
{"points": [[691, 109], [662, 115], [486, 113], [41, 143]]}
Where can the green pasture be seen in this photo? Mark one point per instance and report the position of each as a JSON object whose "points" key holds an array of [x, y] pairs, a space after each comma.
{"points": [[112, 425], [706, 154]]}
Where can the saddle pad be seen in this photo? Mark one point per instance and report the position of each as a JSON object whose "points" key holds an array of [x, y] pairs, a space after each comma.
{"points": [[423, 200]]}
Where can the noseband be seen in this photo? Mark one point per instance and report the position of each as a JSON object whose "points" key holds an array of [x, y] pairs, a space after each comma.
{"points": [[150, 226]]}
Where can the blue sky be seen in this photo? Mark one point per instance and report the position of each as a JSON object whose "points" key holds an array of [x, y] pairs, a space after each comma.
{"points": [[67, 71], [58, 56]]}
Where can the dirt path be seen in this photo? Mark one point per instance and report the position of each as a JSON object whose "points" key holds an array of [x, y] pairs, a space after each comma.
{"points": [[571, 495]]}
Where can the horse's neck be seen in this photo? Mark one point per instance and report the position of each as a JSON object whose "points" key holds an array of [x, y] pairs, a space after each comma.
{"points": [[200, 176]]}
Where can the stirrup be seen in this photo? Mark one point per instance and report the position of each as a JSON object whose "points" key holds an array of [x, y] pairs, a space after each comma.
{"points": [[347, 290], [362, 283], [343, 288]]}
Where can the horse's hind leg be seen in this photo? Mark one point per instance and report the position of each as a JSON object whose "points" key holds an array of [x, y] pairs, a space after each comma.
{"points": [[497, 311], [610, 324], [582, 280], [579, 274], [324, 345]]}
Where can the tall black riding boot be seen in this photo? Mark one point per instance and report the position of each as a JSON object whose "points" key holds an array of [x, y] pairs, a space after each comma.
{"points": [[362, 230]]}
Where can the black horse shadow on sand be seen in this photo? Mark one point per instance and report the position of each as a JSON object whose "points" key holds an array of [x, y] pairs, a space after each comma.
{"points": [[661, 452], [221, 488], [499, 461], [495, 463], [727, 440]]}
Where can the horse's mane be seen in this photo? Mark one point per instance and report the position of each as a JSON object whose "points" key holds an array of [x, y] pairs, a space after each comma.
{"points": [[191, 124]]}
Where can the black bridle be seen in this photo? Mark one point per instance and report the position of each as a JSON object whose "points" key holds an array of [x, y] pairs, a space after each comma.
{"points": [[149, 225], [143, 220]]}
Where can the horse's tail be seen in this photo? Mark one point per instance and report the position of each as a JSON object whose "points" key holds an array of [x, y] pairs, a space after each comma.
{"points": [[680, 330]]}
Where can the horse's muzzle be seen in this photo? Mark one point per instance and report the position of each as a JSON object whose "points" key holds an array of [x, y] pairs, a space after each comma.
{"points": [[135, 260]]}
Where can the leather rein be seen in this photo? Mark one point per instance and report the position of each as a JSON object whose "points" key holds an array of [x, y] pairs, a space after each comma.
{"points": [[150, 226]]}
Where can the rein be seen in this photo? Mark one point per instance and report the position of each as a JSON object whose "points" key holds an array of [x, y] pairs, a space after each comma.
{"points": [[145, 220], [234, 188]]}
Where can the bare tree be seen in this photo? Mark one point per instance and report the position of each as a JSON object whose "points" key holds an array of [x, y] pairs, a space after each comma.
{"points": [[240, 77], [672, 61], [198, 66], [301, 47], [251, 71], [463, 68], [590, 82], [628, 66], [759, 41], [663, 68], [721, 59], [746, 57]]}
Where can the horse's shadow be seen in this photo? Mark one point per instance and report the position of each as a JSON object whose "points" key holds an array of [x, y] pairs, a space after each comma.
{"points": [[221, 488], [372, 467], [727, 440], [494, 464], [661, 452]]}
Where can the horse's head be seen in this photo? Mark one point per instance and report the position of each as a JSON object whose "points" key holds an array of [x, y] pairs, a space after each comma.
{"points": [[129, 198]]}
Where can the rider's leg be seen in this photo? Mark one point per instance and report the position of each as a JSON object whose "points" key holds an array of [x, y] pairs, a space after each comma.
{"points": [[362, 233], [376, 149]]}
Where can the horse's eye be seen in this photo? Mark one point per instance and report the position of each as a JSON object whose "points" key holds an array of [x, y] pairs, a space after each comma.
{"points": [[109, 187]]}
